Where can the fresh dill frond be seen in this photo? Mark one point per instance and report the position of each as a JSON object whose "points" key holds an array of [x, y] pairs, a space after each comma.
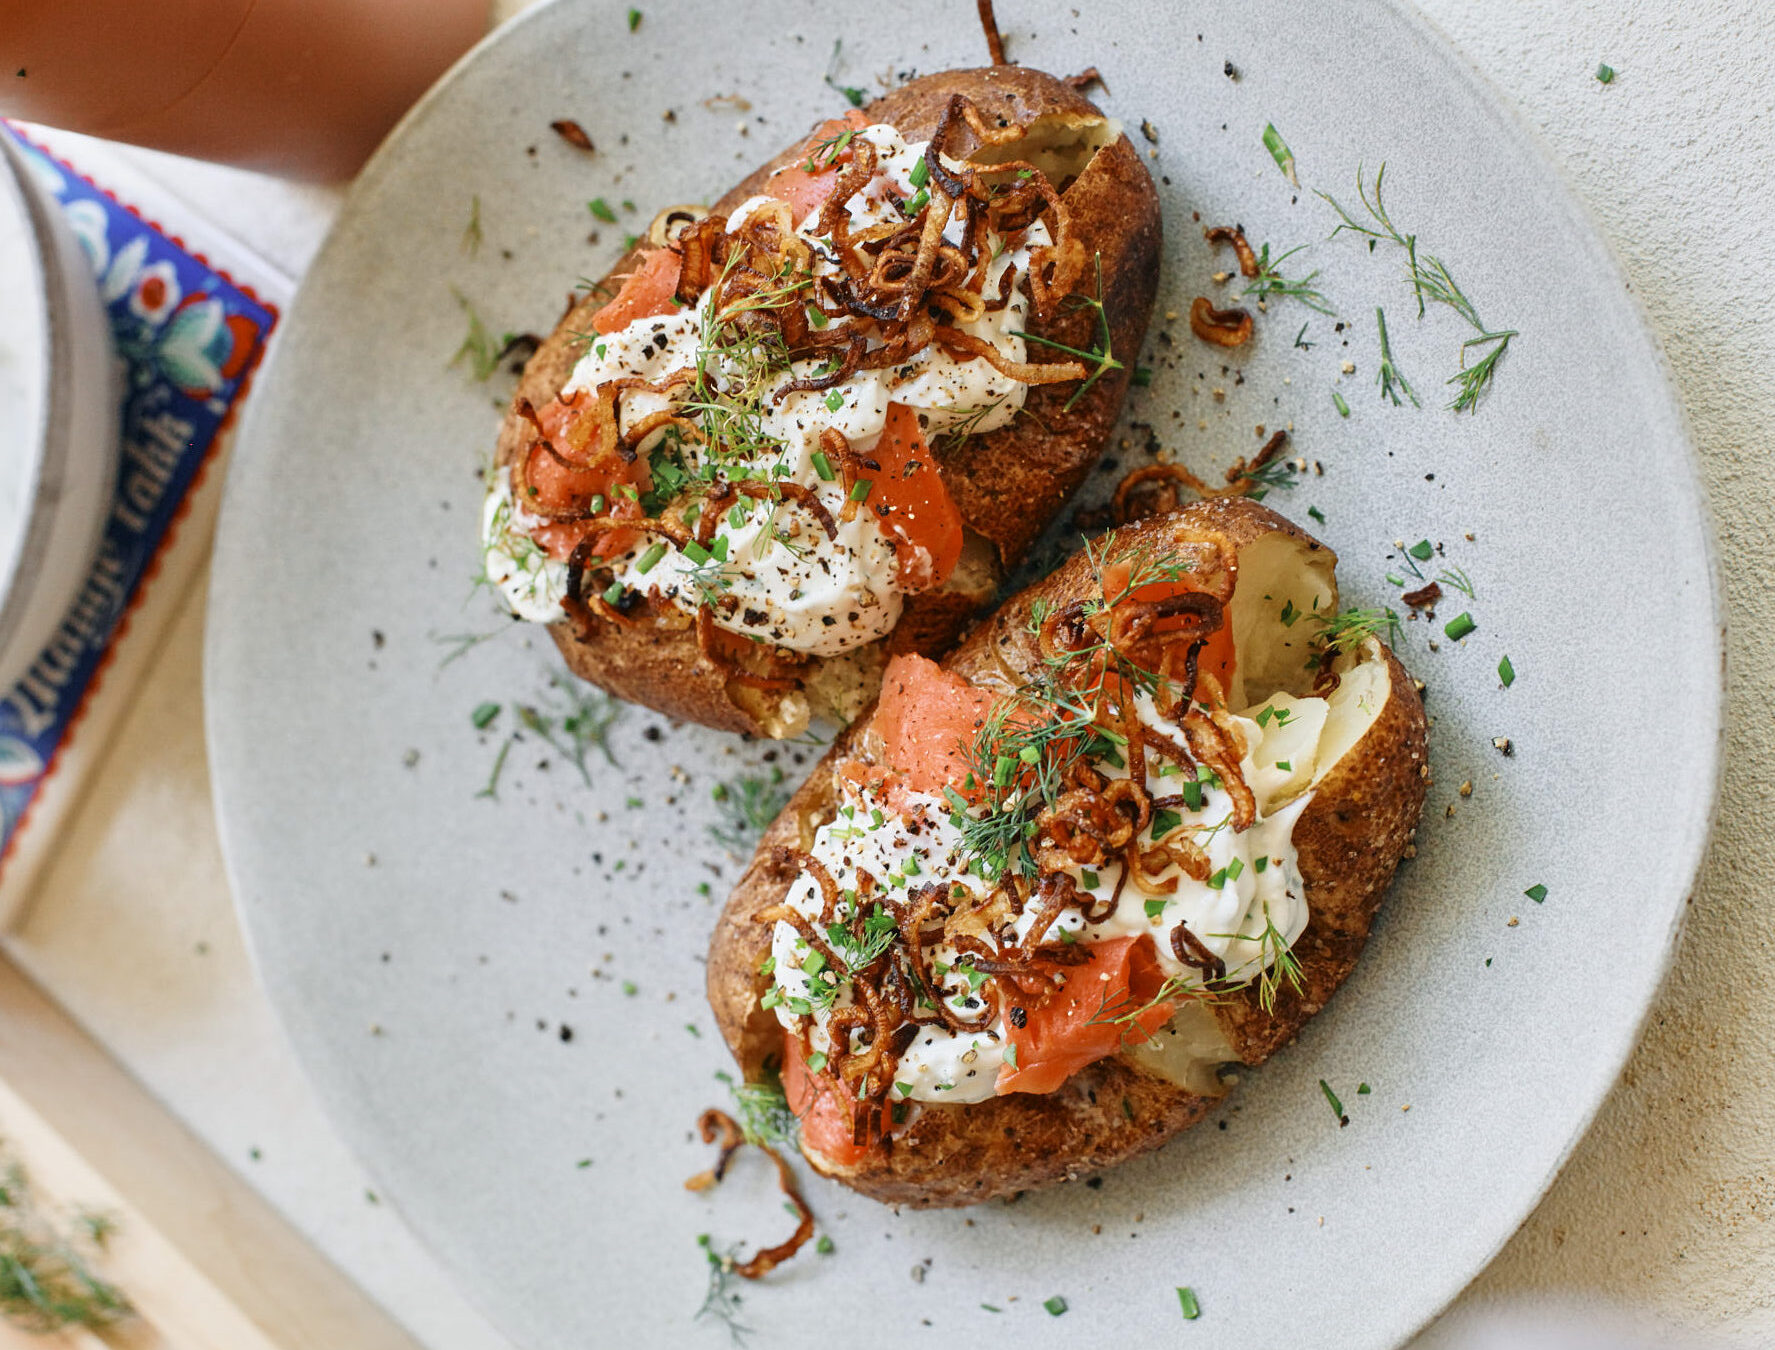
{"points": [[461, 644], [1278, 473], [952, 436], [1269, 283], [1392, 382], [1146, 566], [471, 234], [1126, 1012], [762, 1109], [483, 350], [1279, 965], [1457, 579], [47, 1280], [1019, 761], [1475, 379], [1275, 961], [1347, 631], [722, 1300], [1432, 283], [576, 730], [1101, 356], [748, 803]]}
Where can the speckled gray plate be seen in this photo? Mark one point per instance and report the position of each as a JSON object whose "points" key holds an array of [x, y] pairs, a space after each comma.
{"points": [[501, 999]]}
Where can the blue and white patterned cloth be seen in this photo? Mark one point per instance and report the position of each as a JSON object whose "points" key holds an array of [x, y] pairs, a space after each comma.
{"points": [[187, 339]]}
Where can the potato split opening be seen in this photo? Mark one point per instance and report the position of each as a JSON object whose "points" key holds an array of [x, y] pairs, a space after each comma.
{"points": [[1060, 145]]}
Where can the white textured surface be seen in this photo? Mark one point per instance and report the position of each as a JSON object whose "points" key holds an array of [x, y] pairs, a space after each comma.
{"points": [[1668, 1201], [1666, 1205]]}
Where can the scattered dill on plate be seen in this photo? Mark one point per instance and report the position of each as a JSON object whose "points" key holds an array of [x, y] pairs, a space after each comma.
{"points": [[47, 1280]]}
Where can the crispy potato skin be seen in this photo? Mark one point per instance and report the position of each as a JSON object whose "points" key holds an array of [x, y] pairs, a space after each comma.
{"points": [[1348, 840], [1007, 483]]}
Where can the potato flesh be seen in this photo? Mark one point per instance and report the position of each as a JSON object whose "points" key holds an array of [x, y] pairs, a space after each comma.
{"points": [[1278, 576], [1274, 573], [1059, 146]]}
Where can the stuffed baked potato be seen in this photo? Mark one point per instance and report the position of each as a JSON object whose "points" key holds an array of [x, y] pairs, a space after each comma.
{"points": [[1134, 829], [813, 425]]}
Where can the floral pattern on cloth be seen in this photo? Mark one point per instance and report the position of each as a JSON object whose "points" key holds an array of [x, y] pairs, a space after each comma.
{"points": [[186, 340]]}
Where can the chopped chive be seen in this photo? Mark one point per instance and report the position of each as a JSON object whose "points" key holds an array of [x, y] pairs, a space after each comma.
{"points": [[1362, 1089], [1337, 401], [816, 1061], [1010, 1050], [1154, 908], [1002, 770], [601, 209], [1506, 672], [1142, 376], [1537, 892], [1263, 717], [1459, 626], [1396, 580], [1217, 882], [916, 203], [630, 988], [1164, 821], [634, 19], [1186, 1300], [1289, 614], [1091, 879], [614, 593], [696, 552], [1260, 862], [823, 466], [1337, 1107], [1234, 868], [824, 1246], [1422, 550], [597, 504], [920, 174], [1055, 1305], [860, 493], [1285, 765], [1316, 514], [650, 559], [1605, 73], [1192, 795], [816, 316], [904, 1089], [834, 401], [1279, 151], [720, 550], [484, 714], [1030, 754]]}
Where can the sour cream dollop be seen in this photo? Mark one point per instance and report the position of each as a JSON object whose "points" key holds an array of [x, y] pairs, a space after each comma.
{"points": [[1249, 911], [784, 581]]}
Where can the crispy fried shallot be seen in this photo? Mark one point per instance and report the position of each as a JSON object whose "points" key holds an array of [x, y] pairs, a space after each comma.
{"points": [[717, 1124], [1222, 327], [574, 134], [995, 45], [1232, 234]]}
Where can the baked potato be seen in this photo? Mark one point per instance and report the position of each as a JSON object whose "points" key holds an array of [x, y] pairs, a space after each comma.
{"points": [[814, 425], [1134, 829]]}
